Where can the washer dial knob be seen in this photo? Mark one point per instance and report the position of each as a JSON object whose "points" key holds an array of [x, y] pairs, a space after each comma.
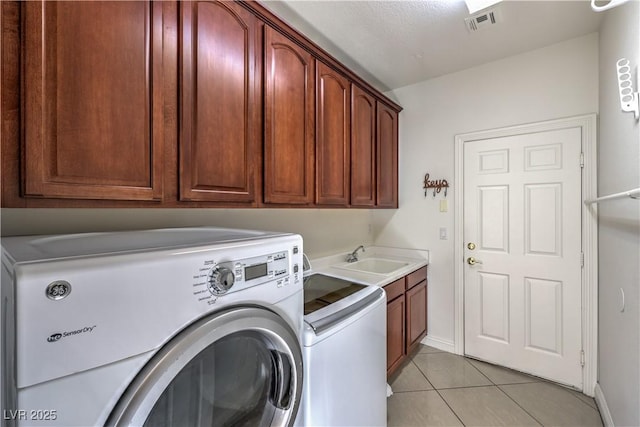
{"points": [[221, 279]]}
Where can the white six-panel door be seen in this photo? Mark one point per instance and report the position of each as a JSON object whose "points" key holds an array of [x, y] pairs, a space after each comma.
{"points": [[522, 211]]}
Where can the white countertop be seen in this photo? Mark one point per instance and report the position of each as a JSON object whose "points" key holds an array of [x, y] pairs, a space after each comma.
{"points": [[330, 265]]}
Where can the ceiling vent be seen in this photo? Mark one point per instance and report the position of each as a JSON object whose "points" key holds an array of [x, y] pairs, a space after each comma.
{"points": [[485, 19]]}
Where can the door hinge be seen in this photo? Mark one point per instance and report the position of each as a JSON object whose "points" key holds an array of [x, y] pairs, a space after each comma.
{"points": [[582, 259], [581, 357], [581, 160]]}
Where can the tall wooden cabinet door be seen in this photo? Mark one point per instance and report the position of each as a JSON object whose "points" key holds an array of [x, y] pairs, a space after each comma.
{"points": [[396, 333], [416, 314], [332, 136], [289, 121], [93, 101], [387, 156], [363, 148], [220, 86]]}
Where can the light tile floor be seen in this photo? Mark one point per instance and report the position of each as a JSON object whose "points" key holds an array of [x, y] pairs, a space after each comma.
{"points": [[442, 389]]}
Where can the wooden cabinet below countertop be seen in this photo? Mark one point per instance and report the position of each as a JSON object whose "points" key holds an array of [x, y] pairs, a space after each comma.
{"points": [[416, 301], [396, 333], [406, 316]]}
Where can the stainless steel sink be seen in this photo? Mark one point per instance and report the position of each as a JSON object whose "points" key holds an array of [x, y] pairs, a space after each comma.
{"points": [[374, 265]]}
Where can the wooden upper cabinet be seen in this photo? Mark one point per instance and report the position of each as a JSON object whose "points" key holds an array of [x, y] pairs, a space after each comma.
{"points": [[387, 156], [363, 148], [184, 104], [220, 136], [332, 136], [289, 121], [93, 100]]}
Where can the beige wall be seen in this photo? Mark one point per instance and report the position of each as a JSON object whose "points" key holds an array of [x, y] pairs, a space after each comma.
{"points": [[619, 223], [324, 231], [553, 82]]}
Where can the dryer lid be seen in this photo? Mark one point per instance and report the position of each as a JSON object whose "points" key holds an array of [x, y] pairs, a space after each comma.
{"points": [[321, 291]]}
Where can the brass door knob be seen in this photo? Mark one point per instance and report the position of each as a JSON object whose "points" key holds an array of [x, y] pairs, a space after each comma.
{"points": [[472, 261], [471, 246]]}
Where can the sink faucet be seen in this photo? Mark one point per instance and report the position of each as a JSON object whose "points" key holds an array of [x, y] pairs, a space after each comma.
{"points": [[353, 256]]}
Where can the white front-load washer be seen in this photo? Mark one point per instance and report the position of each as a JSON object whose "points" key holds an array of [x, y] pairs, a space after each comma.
{"points": [[182, 327]]}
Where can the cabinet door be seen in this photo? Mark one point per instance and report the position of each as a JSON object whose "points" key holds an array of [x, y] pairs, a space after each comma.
{"points": [[363, 148], [332, 137], [387, 156], [221, 103], [93, 100], [396, 333], [289, 121], [416, 315]]}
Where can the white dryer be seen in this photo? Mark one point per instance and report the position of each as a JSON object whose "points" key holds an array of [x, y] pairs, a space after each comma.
{"points": [[344, 350], [180, 327]]}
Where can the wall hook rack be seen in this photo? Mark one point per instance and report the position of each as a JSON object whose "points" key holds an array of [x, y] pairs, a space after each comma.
{"points": [[629, 99], [437, 185]]}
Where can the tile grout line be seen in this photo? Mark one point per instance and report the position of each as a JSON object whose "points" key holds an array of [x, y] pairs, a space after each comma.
{"points": [[423, 374], [481, 373], [505, 393], [441, 397], [449, 406], [569, 390], [452, 388], [412, 391], [518, 404], [498, 387], [477, 369], [533, 379]]}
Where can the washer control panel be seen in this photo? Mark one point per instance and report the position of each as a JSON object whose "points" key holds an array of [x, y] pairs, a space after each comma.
{"points": [[257, 270], [216, 278], [220, 280]]}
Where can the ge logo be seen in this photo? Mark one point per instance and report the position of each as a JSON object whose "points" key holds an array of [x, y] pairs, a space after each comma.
{"points": [[58, 290], [54, 337]]}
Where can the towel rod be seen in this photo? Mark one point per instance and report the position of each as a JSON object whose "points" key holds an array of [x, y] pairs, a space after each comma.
{"points": [[634, 194]]}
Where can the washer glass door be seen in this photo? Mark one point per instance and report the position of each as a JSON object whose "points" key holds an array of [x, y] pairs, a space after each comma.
{"points": [[242, 367]]}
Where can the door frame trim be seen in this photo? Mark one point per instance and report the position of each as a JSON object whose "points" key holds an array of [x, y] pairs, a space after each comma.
{"points": [[588, 126]]}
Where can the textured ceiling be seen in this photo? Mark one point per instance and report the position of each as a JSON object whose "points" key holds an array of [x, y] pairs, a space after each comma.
{"points": [[398, 43]]}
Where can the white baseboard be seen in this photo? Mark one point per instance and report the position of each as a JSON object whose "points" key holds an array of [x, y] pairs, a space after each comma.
{"points": [[602, 406], [439, 343]]}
